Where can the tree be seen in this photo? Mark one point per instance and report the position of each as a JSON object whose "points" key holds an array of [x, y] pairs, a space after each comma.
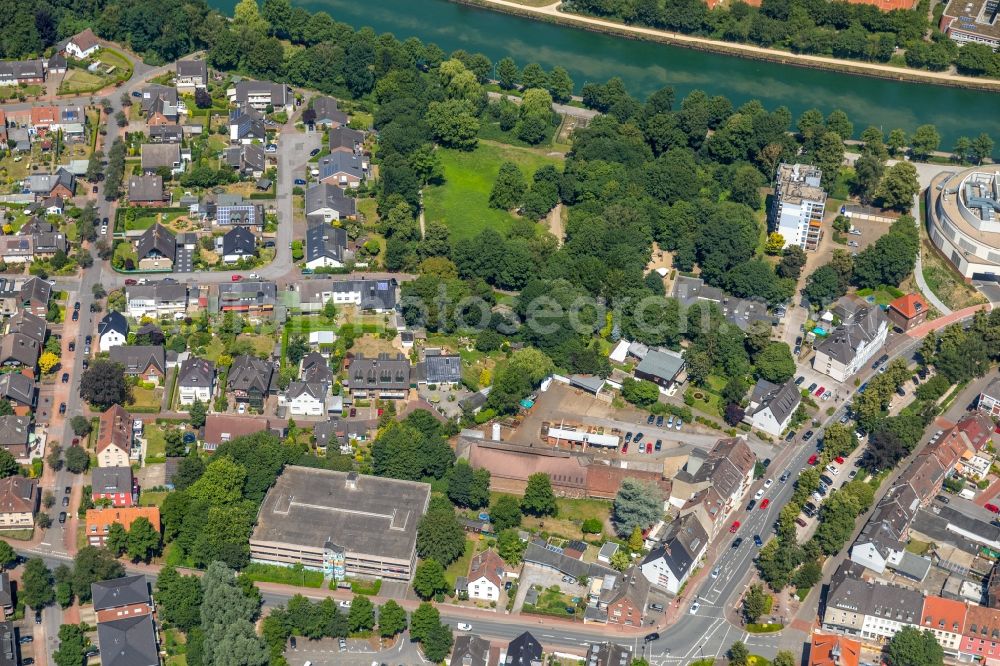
{"points": [[510, 547], [539, 499], [174, 443], [103, 384], [823, 286], [807, 575], [507, 73], [362, 614], [775, 243], [37, 589], [440, 536], [640, 392], [438, 642], [197, 413], [637, 505], [560, 85], [925, 141], [899, 186], [784, 658], [635, 540], [982, 147], [143, 540], [117, 539], [227, 616], [868, 170], [73, 643], [756, 603], [47, 362], [178, 598], [912, 647], [81, 425], [792, 260], [77, 460], [391, 619], [7, 555], [738, 654], [92, 565], [429, 579], [621, 560], [509, 187], [734, 414], [453, 123], [775, 363], [505, 513]]}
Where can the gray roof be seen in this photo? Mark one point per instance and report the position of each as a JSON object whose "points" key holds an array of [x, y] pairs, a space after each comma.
{"points": [[192, 68], [6, 598], [439, 368], [240, 241], [249, 123], [327, 111], [381, 372], [315, 389], [111, 479], [19, 348], [553, 558], [340, 162], [28, 324], [913, 566], [857, 329], [254, 292], [113, 321], [682, 546], [315, 368], [44, 183], [740, 312], [148, 188], [130, 641], [21, 69], [37, 225], [157, 98], [345, 139], [326, 195], [470, 651], [8, 643], [14, 430], [608, 549], [309, 507], [160, 292], [324, 240], [591, 383], [35, 290], [17, 387], [377, 294], [782, 400], [524, 650], [138, 358], [280, 93], [609, 654], [160, 155], [249, 373], [117, 592], [661, 364], [327, 432], [196, 372], [160, 133]]}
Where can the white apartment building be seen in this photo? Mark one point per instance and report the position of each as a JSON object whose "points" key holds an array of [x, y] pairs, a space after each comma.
{"points": [[799, 204]]}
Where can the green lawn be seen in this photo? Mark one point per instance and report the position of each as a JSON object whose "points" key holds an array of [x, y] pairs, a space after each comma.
{"points": [[146, 399], [883, 295], [462, 202], [262, 344], [156, 443], [581, 509], [460, 567], [152, 498], [551, 601], [267, 573]]}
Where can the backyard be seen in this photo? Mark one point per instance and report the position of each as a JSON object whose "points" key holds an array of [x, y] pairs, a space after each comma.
{"points": [[552, 601], [462, 202], [460, 567]]}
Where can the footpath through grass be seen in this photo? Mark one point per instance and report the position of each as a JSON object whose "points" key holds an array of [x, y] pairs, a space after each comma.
{"points": [[462, 201]]}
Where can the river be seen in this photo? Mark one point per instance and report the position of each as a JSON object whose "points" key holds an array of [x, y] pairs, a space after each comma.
{"points": [[647, 66]]}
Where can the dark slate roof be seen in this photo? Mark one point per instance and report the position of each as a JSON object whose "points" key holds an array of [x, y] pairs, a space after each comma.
{"points": [[555, 559], [661, 364], [345, 138], [255, 292], [192, 68], [329, 432], [439, 368], [681, 547], [524, 650], [169, 133], [280, 93], [17, 387], [8, 644], [326, 195], [20, 348], [145, 188], [28, 324], [36, 290], [36, 226], [327, 111], [112, 480], [249, 372], [381, 372], [130, 641], [315, 389], [196, 372], [781, 400], [470, 651], [136, 358], [324, 240], [113, 321], [340, 162], [315, 368], [860, 328], [609, 654], [117, 592], [239, 240], [740, 312], [249, 123]]}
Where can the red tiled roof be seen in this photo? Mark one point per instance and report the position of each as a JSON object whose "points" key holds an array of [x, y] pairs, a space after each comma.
{"points": [[943, 614], [821, 652], [220, 428], [978, 428], [909, 305], [115, 428], [487, 564], [84, 39], [886, 5]]}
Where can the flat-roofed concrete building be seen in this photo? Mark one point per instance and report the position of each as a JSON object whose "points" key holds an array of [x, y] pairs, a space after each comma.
{"points": [[340, 523], [799, 204], [964, 220], [972, 22]]}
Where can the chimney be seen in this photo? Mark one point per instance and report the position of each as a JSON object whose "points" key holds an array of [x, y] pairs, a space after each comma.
{"points": [[835, 654], [352, 481], [496, 432]]}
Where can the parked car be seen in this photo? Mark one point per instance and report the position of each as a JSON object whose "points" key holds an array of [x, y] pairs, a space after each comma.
{"points": [[943, 499], [650, 419], [25, 639], [820, 391], [680, 422], [65, 501], [734, 527], [236, 278], [38, 616], [659, 444], [992, 507], [799, 380], [130, 282], [813, 459], [800, 522], [625, 447], [768, 483], [832, 470], [649, 447], [314, 152], [790, 436], [65, 377], [72, 345], [62, 408], [76, 315], [751, 505], [649, 638], [806, 437], [812, 387], [464, 626], [62, 517], [766, 463], [628, 437], [300, 181], [292, 643], [342, 645], [759, 494], [827, 395], [657, 607], [839, 460], [637, 438], [659, 421]]}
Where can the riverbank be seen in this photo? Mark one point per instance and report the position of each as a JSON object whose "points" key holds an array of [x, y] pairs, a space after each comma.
{"points": [[550, 13]]}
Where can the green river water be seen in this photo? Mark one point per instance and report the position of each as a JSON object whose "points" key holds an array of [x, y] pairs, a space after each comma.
{"points": [[646, 66]]}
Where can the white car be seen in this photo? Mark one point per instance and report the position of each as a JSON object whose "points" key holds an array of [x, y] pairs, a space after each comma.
{"points": [[832, 470], [694, 608], [242, 409], [768, 483], [715, 572], [760, 493], [104, 229], [463, 626], [344, 604], [254, 276]]}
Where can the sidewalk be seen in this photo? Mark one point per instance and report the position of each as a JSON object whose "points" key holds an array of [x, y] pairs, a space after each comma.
{"points": [[919, 332]]}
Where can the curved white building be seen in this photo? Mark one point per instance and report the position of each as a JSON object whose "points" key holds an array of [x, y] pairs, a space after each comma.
{"points": [[963, 220]]}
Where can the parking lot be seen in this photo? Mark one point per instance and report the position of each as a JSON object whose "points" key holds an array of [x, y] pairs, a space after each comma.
{"points": [[546, 578]]}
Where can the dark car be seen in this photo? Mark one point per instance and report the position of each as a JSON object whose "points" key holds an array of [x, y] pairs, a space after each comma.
{"points": [[757, 540], [93, 308], [628, 437], [93, 190], [87, 340], [65, 377], [737, 542], [922, 373], [72, 345], [291, 642], [68, 489], [86, 363], [300, 181], [38, 616], [314, 152], [136, 93], [659, 444], [751, 505], [659, 421], [790, 436], [799, 380], [92, 651], [651, 637], [637, 438], [62, 517], [812, 387], [76, 306], [942, 499], [650, 419], [76, 315], [62, 407], [766, 463], [806, 437], [900, 392], [27, 661], [25, 639]]}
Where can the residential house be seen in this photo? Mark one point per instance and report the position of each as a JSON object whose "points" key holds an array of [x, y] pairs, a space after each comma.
{"points": [[728, 467], [6, 594], [148, 362], [343, 169], [157, 156], [375, 295], [832, 650], [315, 368], [17, 250], [238, 244], [147, 190], [159, 105], [14, 435], [19, 390], [53, 205], [253, 298], [663, 368], [332, 432], [525, 650], [346, 140], [981, 634], [156, 299], [328, 203], [847, 348], [125, 629], [196, 380], [798, 205], [625, 598], [709, 508], [42, 118], [8, 645], [945, 618], [989, 399], [384, 376], [19, 139], [327, 113], [222, 428], [165, 133], [112, 331], [114, 437], [45, 246], [21, 72], [609, 654], [251, 380], [246, 126], [486, 576], [249, 160], [233, 210], [772, 406], [260, 95], [99, 521], [471, 651], [83, 44], [56, 64], [118, 597], [305, 398], [156, 248], [115, 484], [37, 225], [191, 74], [29, 325], [18, 350], [326, 246], [740, 312], [440, 369], [62, 183], [19, 499], [907, 311], [668, 566]]}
